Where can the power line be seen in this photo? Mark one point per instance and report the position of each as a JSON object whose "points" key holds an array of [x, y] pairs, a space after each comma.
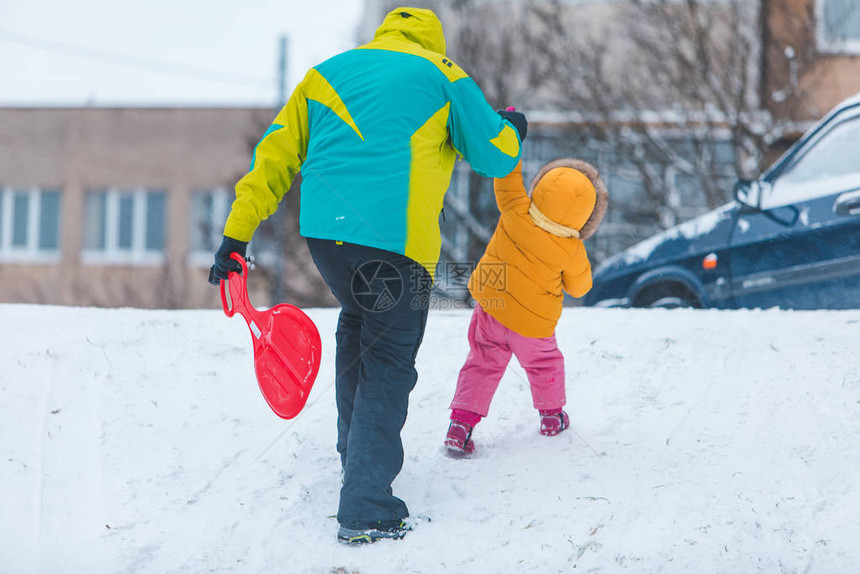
{"points": [[150, 65]]}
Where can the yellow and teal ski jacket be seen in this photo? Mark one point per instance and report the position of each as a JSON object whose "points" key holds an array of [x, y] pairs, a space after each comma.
{"points": [[375, 132]]}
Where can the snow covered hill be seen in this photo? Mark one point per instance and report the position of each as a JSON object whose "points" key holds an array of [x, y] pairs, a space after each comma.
{"points": [[136, 441]]}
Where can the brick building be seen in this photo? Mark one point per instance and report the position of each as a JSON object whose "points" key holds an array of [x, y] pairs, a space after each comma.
{"points": [[117, 206]]}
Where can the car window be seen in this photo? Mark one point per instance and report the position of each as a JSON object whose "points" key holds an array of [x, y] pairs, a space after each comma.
{"points": [[830, 165]]}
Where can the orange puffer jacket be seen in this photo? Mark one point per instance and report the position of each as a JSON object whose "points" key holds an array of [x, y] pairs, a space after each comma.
{"points": [[535, 253]]}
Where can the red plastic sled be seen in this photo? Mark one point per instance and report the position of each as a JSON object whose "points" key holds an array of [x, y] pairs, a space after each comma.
{"points": [[287, 345]]}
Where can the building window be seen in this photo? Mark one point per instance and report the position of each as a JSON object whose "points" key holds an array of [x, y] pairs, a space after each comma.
{"points": [[124, 227], [838, 26], [29, 225], [209, 210]]}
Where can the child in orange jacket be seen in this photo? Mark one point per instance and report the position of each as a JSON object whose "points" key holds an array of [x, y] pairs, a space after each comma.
{"points": [[535, 253]]}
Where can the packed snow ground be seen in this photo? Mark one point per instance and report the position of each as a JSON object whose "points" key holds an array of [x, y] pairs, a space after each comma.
{"points": [[703, 441]]}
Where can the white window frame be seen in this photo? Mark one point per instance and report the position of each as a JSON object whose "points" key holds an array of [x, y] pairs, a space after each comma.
{"points": [[849, 46], [138, 255], [30, 252], [221, 209]]}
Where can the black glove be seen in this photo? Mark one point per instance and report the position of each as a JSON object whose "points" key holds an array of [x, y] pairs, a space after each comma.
{"points": [[518, 119], [223, 262]]}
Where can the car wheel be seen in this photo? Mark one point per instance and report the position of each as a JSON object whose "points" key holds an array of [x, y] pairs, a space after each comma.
{"points": [[667, 296], [671, 302]]}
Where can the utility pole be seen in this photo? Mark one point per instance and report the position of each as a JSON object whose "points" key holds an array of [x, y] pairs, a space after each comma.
{"points": [[283, 63], [278, 288]]}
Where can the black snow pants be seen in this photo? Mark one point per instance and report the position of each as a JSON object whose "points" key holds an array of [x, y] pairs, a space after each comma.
{"points": [[384, 300]]}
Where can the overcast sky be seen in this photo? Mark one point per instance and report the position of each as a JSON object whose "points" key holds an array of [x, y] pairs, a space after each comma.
{"points": [[163, 52]]}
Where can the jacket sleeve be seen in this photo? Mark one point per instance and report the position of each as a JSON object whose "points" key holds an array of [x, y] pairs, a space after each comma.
{"points": [[490, 144], [276, 160], [510, 189], [576, 279]]}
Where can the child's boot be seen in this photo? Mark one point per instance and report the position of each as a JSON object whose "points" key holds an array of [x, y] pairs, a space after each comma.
{"points": [[553, 422], [459, 438]]}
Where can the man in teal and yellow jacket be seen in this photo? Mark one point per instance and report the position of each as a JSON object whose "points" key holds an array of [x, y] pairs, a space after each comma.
{"points": [[375, 132]]}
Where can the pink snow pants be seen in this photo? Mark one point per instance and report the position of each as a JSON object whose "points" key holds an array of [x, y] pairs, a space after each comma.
{"points": [[490, 347]]}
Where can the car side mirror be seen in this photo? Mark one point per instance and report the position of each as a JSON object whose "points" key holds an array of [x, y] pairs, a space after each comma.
{"points": [[748, 192]]}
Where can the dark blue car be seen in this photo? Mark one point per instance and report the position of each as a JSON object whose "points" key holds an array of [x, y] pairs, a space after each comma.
{"points": [[791, 239]]}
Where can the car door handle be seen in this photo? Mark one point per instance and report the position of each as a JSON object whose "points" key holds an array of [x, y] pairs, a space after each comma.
{"points": [[847, 203]]}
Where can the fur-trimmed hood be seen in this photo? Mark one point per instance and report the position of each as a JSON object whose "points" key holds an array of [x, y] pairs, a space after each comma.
{"points": [[570, 192]]}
